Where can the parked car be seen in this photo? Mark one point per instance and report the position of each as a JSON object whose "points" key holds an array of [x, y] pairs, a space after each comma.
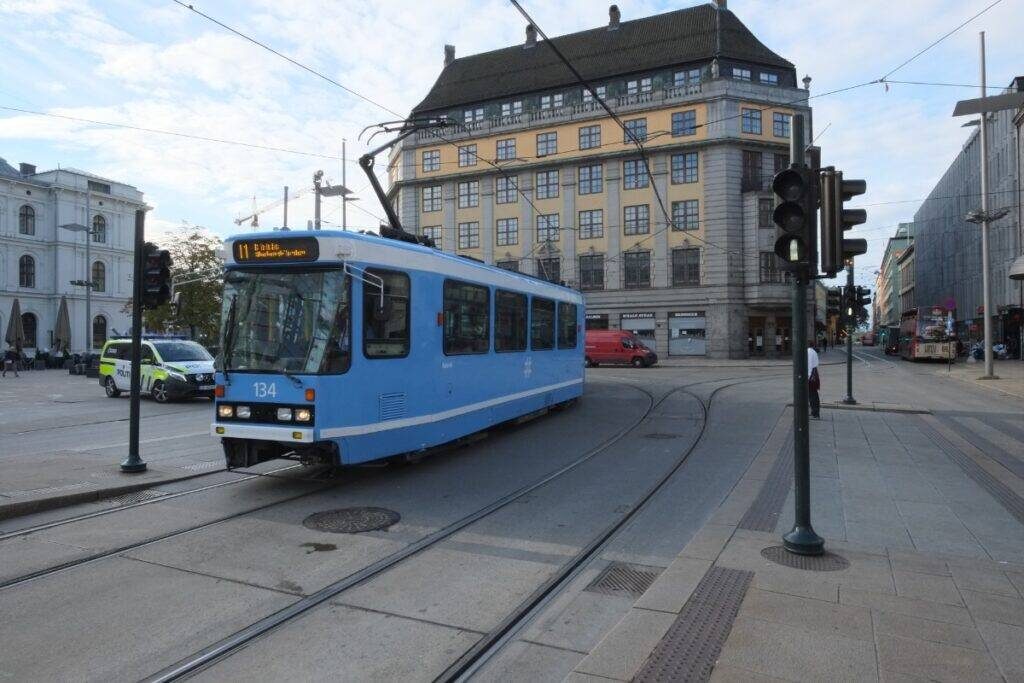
{"points": [[171, 369], [617, 347]]}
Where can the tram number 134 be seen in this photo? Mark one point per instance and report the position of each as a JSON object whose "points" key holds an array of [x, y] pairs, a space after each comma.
{"points": [[264, 389]]}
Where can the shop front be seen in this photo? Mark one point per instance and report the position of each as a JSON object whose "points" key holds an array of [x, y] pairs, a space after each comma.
{"points": [[597, 321], [642, 325], [687, 333]]}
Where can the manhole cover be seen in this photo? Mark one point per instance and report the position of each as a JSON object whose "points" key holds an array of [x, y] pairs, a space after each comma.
{"points": [[351, 520], [620, 578], [812, 563], [661, 435]]}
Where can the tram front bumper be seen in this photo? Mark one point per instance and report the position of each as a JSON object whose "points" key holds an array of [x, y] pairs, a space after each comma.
{"points": [[286, 434]]}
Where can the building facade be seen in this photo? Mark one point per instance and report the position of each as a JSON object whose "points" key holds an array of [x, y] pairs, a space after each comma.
{"points": [[534, 175], [39, 259], [948, 247], [886, 305]]}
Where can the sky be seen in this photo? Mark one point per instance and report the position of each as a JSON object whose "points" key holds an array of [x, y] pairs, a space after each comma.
{"points": [[155, 64]]}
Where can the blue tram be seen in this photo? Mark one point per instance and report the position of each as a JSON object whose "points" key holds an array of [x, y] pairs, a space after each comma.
{"points": [[342, 348]]}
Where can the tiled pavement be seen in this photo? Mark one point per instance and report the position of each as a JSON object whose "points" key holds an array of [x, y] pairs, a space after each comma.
{"points": [[935, 584]]}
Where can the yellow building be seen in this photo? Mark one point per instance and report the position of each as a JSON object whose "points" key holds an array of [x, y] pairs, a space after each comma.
{"points": [[533, 175]]}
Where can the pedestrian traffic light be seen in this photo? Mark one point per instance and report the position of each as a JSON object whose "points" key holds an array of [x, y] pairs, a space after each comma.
{"points": [[835, 220], [156, 276], [796, 218], [863, 296]]}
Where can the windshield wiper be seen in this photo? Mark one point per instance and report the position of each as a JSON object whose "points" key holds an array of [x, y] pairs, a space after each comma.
{"points": [[294, 378], [229, 338]]}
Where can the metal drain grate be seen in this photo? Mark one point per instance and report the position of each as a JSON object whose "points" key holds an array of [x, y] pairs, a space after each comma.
{"points": [[351, 520], [135, 497], [620, 578], [691, 646], [763, 513], [810, 563], [662, 435], [200, 466]]}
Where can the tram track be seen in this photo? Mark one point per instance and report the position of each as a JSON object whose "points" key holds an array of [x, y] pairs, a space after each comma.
{"points": [[224, 648]]}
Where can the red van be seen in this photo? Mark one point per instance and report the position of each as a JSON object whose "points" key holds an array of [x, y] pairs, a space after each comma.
{"points": [[616, 346]]}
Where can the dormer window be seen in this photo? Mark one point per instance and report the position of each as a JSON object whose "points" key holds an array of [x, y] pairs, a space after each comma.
{"points": [[600, 90], [741, 74], [551, 101], [473, 115], [769, 78], [687, 77], [642, 85], [512, 108]]}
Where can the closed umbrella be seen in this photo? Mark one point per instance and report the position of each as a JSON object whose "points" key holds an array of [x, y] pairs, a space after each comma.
{"points": [[62, 331], [15, 330]]}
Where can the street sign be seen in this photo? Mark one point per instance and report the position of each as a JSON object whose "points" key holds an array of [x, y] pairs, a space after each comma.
{"points": [[986, 104]]}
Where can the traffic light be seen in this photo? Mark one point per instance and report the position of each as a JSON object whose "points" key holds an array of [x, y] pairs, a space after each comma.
{"points": [[863, 296], [156, 276], [835, 220], [833, 303], [796, 218]]}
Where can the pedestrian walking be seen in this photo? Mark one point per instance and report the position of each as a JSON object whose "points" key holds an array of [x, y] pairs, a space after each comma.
{"points": [[813, 382], [11, 358]]}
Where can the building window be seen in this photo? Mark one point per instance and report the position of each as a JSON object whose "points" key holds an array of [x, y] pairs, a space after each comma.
{"points": [[511, 265], [684, 168], [469, 235], [770, 269], [506, 149], [431, 198], [780, 125], [30, 324], [590, 179], [751, 121], [781, 162], [99, 229], [600, 90], [637, 219], [99, 277], [467, 155], [467, 318], [591, 224], [592, 272], [431, 160], [546, 185], [469, 194], [549, 269], [637, 269], [769, 78], [99, 332], [27, 272], [590, 137], [99, 187], [687, 77], [551, 101], [634, 174], [741, 74], [507, 189], [386, 323], [642, 85], [686, 215], [509, 321], [547, 143], [508, 231], [685, 267], [26, 220], [434, 233], [547, 227], [765, 208], [512, 108], [751, 178], [636, 131], [473, 115], [684, 122]]}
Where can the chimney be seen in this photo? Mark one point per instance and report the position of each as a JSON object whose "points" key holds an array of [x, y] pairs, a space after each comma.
{"points": [[613, 17], [27, 169], [722, 4], [449, 54], [531, 36]]}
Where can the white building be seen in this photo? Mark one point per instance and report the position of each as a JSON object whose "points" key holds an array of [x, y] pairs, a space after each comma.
{"points": [[39, 259]]}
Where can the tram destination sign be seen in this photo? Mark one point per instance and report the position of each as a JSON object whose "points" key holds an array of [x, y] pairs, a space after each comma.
{"points": [[275, 250]]}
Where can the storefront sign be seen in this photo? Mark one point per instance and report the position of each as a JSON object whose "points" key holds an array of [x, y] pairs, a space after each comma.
{"points": [[687, 314], [637, 316]]}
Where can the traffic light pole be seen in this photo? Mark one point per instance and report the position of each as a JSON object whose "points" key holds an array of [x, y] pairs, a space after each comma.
{"points": [[134, 463], [850, 319]]}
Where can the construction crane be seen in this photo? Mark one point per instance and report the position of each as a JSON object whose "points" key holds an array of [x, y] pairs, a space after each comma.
{"points": [[254, 217]]}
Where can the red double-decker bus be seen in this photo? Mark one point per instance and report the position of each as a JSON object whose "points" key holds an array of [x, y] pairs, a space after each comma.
{"points": [[923, 335]]}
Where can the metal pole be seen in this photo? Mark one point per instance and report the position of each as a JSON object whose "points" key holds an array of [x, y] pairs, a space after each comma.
{"points": [[285, 226], [801, 539], [88, 273], [851, 317], [344, 197], [134, 463], [316, 202], [986, 290]]}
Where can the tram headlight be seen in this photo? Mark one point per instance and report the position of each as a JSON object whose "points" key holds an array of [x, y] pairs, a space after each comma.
{"points": [[303, 415], [284, 414], [225, 411], [243, 412]]}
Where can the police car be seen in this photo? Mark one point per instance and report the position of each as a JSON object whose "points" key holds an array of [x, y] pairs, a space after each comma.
{"points": [[171, 369]]}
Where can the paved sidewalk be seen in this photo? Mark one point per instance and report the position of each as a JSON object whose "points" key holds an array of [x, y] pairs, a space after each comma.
{"points": [[930, 526], [1010, 373]]}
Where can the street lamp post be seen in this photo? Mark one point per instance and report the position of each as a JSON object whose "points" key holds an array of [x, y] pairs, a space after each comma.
{"points": [[87, 282]]}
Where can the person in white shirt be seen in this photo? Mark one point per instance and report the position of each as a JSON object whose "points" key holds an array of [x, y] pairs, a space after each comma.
{"points": [[813, 382]]}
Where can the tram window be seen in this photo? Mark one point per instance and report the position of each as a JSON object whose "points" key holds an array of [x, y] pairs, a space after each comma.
{"points": [[467, 318], [542, 331], [509, 321], [567, 325], [385, 319]]}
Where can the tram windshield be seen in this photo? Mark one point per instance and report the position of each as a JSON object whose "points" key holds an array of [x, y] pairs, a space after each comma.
{"points": [[286, 321]]}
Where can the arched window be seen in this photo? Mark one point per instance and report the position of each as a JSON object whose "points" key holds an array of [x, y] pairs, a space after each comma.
{"points": [[28, 322], [99, 229], [99, 277], [99, 331], [27, 271], [27, 220]]}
